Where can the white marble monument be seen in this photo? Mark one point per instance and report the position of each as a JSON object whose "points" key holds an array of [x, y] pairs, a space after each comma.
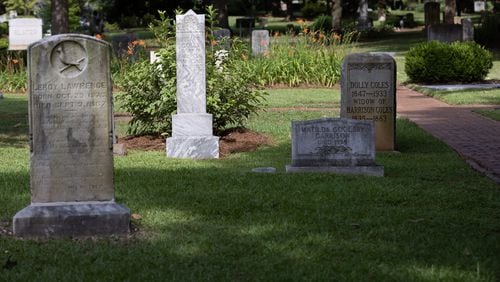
{"points": [[192, 135]]}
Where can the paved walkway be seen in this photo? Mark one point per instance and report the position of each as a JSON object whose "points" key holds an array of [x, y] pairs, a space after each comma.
{"points": [[474, 137]]}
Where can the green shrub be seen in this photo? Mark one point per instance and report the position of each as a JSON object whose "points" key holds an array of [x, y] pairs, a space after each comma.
{"points": [[150, 89], [436, 62], [4, 29], [311, 10], [323, 23]]}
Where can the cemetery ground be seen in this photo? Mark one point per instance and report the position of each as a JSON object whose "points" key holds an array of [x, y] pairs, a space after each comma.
{"points": [[430, 218]]}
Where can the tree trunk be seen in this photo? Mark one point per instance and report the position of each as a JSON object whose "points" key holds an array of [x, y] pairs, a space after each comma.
{"points": [[222, 15], [337, 16], [449, 11], [59, 23]]}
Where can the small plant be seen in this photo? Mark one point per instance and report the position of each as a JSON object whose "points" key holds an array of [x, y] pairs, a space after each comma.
{"points": [[150, 89], [436, 62]]}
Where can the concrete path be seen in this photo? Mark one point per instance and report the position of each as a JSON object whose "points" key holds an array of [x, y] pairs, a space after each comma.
{"points": [[474, 137]]}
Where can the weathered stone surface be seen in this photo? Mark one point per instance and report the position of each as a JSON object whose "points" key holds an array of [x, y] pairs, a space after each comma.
{"points": [[193, 147], [70, 120], [264, 169], [260, 42], [467, 30], [71, 126], [190, 56], [72, 219], [368, 92], [23, 32], [191, 126], [444, 32], [334, 145]]}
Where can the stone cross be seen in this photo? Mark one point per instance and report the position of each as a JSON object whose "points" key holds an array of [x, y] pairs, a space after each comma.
{"points": [[71, 141], [192, 135]]}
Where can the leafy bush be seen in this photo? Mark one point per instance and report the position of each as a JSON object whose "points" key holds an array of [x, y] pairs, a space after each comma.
{"points": [[311, 10], [309, 58], [322, 23], [487, 33], [150, 89], [434, 62]]}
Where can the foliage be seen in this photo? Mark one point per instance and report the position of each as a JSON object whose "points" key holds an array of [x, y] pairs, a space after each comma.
{"points": [[23, 7], [12, 68], [4, 29], [322, 23], [313, 9], [487, 33], [150, 89], [73, 14], [309, 58], [434, 62]]}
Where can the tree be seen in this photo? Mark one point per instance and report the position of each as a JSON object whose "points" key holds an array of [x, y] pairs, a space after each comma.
{"points": [[450, 8], [336, 16], [23, 7], [222, 14], [60, 21]]}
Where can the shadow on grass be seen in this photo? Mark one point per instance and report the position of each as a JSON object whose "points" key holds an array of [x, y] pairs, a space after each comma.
{"points": [[430, 218], [14, 121]]}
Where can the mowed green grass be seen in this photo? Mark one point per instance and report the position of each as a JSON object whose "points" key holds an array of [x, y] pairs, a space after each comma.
{"points": [[431, 218]]}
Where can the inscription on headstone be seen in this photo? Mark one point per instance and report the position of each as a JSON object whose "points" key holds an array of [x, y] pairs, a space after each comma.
{"points": [[334, 145], [260, 42], [368, 92], [23, 32], [192, 125], [71, 140]]}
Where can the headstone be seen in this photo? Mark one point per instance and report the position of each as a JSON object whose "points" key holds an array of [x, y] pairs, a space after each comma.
{"points": [[245, 24], [445, 32], [410, 20], [71, 141], [223, 38], [479, 6], [333, 145], [260, 42], [368, 92], [467, 30], [23, 32], [192, 126], [431, 13], [363, 20]]}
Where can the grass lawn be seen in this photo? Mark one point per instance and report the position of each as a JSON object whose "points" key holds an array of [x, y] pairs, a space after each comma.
{"points": [[430, 218], [491, 113]]}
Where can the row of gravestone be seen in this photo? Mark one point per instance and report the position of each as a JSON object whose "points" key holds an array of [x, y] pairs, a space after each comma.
{"points": [[71, 128], [461, 30]]}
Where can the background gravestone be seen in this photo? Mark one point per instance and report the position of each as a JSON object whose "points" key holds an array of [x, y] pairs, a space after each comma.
{"points": [[467, 29], [368, 92], [445, 32], [334, 145], [192, 135], [431, 13], [260, 42], [23, 32], [223, 38], [71, 141]]}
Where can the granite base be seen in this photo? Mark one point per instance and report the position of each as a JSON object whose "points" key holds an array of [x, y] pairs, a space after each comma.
{"points": [[72, 219], [193, 147], [376, 170]]}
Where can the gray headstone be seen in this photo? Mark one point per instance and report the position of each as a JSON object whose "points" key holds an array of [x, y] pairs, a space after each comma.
{"points": [[260, 42], [479, 6], [192, 135], [445, 32], [23, 32], [467, 30], [368, 92], [223, 38], [334, 145], [363, 20], [431, 13], [71, 140]]}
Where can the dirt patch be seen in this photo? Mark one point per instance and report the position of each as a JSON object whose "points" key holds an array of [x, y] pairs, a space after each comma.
{"points": [[231, 141]]}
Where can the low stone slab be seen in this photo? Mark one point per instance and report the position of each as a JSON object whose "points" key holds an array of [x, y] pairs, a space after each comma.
{"points": [[335, 145], [72, 219]]}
